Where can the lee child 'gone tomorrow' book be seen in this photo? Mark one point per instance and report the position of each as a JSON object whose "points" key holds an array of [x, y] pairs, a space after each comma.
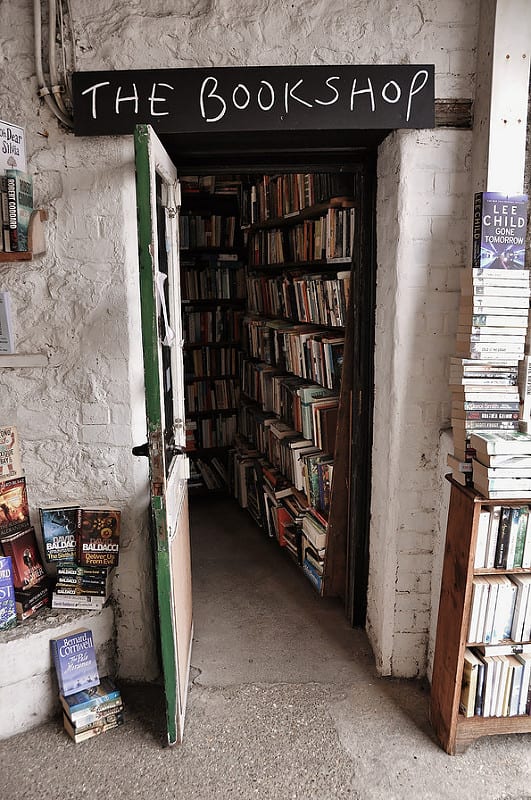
{"points": [[500, 223], [74, 658]]}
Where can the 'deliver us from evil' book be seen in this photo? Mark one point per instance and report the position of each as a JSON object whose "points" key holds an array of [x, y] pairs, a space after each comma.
{"points": [[98, 537], [500, 223]]}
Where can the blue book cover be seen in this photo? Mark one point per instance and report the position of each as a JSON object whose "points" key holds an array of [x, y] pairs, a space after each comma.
{"points": [[74, 659], [59, 526], [104, 694], [8, 614]]}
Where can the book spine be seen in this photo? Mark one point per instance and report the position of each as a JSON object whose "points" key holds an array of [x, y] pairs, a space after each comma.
{"points": [[502, 546], [12, 212], [476, 230]]}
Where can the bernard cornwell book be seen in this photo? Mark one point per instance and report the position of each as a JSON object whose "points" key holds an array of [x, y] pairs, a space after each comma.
{"points": [[74, 658], [500, 223]]}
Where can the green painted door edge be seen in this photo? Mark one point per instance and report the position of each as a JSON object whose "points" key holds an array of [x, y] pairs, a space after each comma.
{"points": [[152, 380]]}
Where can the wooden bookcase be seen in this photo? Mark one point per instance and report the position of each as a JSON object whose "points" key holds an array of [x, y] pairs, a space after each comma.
{"points": [[286, 239], [212, 304], [454, 731]]}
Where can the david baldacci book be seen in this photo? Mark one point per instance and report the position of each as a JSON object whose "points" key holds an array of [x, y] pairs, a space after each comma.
{"points": [[500, 222], [98, 537], [10, 463], [8, 615], [74, 658], [59, 526]]}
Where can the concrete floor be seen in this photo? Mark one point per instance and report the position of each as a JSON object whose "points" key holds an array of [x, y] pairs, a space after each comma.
{"points": [[284, 704]]}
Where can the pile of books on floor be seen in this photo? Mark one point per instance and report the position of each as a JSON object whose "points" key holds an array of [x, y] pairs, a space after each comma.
{"points": [[91, 705], [492, 331]]}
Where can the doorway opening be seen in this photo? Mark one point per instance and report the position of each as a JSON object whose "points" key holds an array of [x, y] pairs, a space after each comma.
{"points": [[235, 278]]}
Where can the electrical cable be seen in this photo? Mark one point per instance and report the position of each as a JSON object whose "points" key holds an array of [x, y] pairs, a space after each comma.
{"points": [[43, 90]]}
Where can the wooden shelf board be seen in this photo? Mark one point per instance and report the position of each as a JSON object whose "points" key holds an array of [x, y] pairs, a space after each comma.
{"points": [[305, 213], [471, 728], [320, 262], [23, 360], [6, 258]]}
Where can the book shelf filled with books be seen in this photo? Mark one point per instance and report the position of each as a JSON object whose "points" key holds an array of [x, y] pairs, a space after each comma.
{"points": [[271, 347], [481, 682], [482, 664], [301, 240], [213, 304]]}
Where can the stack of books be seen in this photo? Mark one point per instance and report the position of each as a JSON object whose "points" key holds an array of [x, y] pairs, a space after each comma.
{"points": [[502, 464], [91, 706], [492, 328], [84, 545]]}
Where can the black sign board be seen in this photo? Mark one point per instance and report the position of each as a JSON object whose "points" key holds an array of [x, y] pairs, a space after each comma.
{"points": [[232, 99]]}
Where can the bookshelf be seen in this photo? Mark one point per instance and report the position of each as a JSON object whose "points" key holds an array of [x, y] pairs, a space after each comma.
{"points": [[291, 463], [453, 729], [212, 306]]}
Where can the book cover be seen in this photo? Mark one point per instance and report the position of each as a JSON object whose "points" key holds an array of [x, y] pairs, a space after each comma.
{"points": [[20, 207], [499, 231], [98, 537], [14, 510], [81, 603], [74, 658], [95, 700], [27, 565], [10, 461], [59, 526], [7, 328], [8, 615]]}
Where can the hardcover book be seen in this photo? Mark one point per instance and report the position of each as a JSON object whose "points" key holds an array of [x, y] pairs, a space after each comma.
{"points": [[14, 510], [10, 463], [499, 231], [8, 616], [20, 207], [74, 658], [27, 565], [59, 526], [98, 537]]}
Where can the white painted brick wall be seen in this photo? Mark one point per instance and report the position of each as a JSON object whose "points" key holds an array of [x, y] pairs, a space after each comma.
{"points": [[413, 342], [80, 416]]}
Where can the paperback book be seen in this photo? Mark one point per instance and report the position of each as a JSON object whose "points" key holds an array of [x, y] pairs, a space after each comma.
{"points": [[89, 701], [20, 207], [499, 231], [59, 526], [7, 328], [8, 616], [28, 569], [74, 658], [98, 537], [10, 462], [14, 510]]}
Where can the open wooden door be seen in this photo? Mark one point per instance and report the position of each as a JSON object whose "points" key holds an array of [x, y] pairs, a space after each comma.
{"points": [[158, 200]]}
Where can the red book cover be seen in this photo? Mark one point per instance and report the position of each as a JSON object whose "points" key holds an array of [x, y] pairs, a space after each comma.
{"points": [[25, 557], [98, 537]]}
